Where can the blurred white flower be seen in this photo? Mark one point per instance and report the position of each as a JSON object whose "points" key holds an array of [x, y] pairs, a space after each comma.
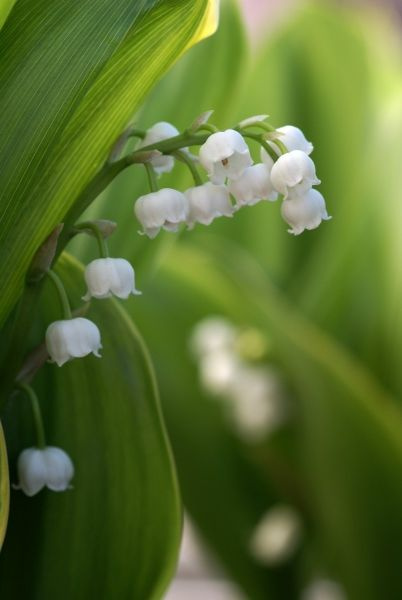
{"points": [[252, 186], [207, 202], [166, 209], [109, 276], [256, 404], [212, 334], [304, 211], [276, 536], [157, 133], [225, 154], [293, 172], [323, 589], [72, 338], [50, 467], [217, 371]]}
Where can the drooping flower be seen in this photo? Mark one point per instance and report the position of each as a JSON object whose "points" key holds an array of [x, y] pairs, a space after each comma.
{"points": [[207, 202], [304, 211], [294, 139], [166, 209], [157, 133], [40, 467], [225, 154], [72, 338], [293, 172], [277, 535], [109, 276], [254, 185]]}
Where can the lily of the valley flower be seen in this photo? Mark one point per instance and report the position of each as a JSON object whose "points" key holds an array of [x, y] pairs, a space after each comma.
{"points": [[293, 172], [72, 338], [254, 185], [304, 211], [157, 133], [40, 467], [294, 139], [109, 276], [225, 154], [206, 202], [166, 209]]}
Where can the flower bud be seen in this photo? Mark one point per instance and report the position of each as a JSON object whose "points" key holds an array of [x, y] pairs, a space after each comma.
{"points": [[157, 133], [109, 276], [50, 467], [206, 202], [165, 208], [72, 338], [304, 211], [254, 185], [225, 154], [293, 172]]}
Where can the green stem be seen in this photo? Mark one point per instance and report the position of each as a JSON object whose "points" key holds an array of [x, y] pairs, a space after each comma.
{"points": [[137, 133], [190, 164], [258, 138], [65, 305], [208, 127], [267, 127], [36, 412], [153, 185], [103, 249]]}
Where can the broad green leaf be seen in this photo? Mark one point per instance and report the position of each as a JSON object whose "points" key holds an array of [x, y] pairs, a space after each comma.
{"points": [[5, 10], [4, 487], [224, 489], [116, 533], [71, 76], [349, 431]]}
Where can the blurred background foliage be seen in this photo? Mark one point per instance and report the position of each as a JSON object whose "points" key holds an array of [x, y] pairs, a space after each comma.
{"points": [[326, 306], [327, 302]]}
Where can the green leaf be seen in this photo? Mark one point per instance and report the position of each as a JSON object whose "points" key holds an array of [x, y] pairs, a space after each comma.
{"points": [[5, 10], [71, 76], [349, 429], [116, 534], [223, 483], [4, 487]]}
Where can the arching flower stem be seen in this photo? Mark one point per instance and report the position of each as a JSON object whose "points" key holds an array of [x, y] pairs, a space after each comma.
{"points": [[36, 412], [58, 284]]}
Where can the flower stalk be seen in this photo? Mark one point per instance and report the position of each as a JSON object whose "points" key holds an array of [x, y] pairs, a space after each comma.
{"points": [[36, 413]]}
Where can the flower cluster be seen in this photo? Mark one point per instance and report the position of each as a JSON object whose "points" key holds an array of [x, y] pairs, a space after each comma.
{"points": [[285, 170], [251, 393]]}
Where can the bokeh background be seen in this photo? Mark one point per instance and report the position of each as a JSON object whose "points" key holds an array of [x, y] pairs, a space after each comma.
{"points": [[278, 357]]}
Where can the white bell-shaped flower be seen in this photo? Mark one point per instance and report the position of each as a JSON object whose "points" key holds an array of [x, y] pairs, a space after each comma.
{"points": [[293, 172], [40, 467], [225, 154], [206, 202], [254, 185], [72, 338], [157, 133], [109, 276], [304, 211], [294, 139], [166, 209]]}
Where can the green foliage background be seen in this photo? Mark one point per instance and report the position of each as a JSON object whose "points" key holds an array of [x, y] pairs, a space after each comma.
{"points": [[327, 301]]}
